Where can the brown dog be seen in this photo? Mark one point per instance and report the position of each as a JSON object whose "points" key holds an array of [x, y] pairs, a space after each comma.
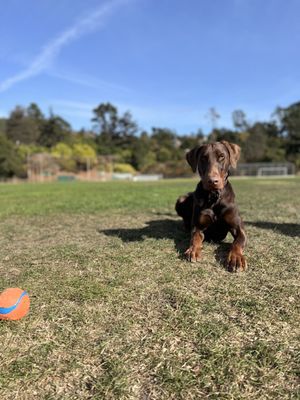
{"points": [[210, 212]]}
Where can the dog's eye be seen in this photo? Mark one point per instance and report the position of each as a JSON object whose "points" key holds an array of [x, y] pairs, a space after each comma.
{"points": [[221, 157]]}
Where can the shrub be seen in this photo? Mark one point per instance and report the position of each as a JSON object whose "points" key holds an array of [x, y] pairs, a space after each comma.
{"points": [[10, 160], [170, 169], [124, 168], [84, 155], [64, 156]]}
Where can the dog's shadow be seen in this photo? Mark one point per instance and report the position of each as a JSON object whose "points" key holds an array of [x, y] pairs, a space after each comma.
{"points": [[164, 229], [173, 229], [287, 229], [155, 229]]}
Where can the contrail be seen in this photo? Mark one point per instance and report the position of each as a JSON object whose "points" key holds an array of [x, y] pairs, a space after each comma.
{"points": [[93, 21]]}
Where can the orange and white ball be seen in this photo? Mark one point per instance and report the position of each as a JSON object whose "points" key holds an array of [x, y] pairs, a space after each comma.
{"points": [[14, 304]]}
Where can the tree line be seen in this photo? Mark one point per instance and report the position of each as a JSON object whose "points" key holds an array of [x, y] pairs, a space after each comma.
{"points": [[115, 141]]}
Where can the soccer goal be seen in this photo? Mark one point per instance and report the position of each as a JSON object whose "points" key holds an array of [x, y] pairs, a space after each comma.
{"points": [[272, 171]]}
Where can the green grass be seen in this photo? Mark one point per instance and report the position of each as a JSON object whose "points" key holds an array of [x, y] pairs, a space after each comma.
{"points": [[116, 313]]}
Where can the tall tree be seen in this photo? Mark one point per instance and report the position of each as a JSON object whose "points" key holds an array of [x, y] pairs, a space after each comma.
{"points": [[34, 113], [114, 132], [55, 129], [142, 154], [289, 120], [105, 119], [20, 128], [2, 126], [224, 134], [187, 142], [213, 116], [239, 120], [105, 123], [10, 161], [163, 137], [127, 128], [255, 146]]}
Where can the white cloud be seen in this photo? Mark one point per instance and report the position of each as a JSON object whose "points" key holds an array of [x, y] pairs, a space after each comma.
{"points": [[73, 108], [45, 58], [88, 81]]}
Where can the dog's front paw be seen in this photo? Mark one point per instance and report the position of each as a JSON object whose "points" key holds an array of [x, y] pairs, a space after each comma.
{"points": [[236, 262], [193, 254]]}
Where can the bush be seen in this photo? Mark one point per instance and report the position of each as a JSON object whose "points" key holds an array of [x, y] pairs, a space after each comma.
{"points": [[170, 169], [84, 155], [124, 168], [64, 156], [10, 160]]}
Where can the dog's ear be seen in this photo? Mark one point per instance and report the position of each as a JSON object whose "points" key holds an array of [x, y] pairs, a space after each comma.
{"points": [[234, 152], [192, 157]]}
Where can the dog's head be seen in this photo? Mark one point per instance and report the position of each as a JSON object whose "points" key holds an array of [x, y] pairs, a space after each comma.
{"points": [[212, 161]]}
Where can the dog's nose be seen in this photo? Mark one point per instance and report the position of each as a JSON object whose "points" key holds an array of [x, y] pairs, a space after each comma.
{"points": [[213, 180]]}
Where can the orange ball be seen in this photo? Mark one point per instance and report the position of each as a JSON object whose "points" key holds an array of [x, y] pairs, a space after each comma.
{"points": [[14, 304]]}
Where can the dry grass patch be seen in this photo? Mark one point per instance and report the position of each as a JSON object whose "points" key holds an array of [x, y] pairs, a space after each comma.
{"points": [[118, 314]]}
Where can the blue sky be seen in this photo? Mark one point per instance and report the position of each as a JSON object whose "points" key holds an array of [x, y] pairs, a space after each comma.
{"points": [[166, 61]]}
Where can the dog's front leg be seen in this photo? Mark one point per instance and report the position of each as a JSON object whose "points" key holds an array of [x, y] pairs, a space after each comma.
{"points": [[201, 221], [193, 253], [236, 260]]}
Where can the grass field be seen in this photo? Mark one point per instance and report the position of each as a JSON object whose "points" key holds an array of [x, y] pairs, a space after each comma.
{"points": [[117, 313]]}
